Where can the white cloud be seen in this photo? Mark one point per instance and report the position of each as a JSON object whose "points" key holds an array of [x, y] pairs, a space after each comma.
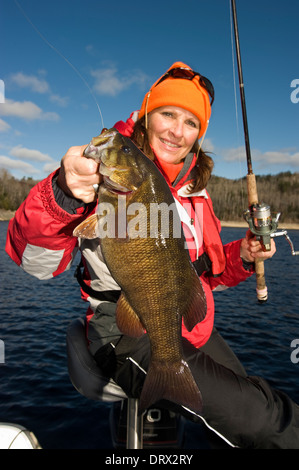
{"points": [[288, 158], [36, 84], [4, 126], [60, 100], [11, 164], [108, 81], [233, 154], [280, 158], [26, 110], [90, 49], [208, 145], [29, 154], [50, 167], [2, 91]]}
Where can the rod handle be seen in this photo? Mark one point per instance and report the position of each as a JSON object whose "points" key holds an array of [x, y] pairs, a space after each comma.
{"points": [[261, 288]]}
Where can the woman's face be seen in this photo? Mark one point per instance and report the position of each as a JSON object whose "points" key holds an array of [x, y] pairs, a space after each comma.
{"points": [[172, 132]]}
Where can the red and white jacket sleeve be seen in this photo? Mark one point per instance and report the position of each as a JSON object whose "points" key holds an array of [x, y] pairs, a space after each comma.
{"points": [[40, 236], [234, 272]]}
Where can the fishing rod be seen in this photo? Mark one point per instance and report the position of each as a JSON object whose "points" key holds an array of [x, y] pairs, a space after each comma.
{"points": [[258, 216], [261, 288]]}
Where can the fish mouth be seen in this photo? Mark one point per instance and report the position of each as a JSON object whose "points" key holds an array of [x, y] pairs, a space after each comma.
{"points": [[114, 187], [109, 183], [98, 144]]}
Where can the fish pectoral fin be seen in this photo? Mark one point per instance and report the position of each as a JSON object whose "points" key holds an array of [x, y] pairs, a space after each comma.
{"points": [[197, 306], [126, 318], [87, 228]]}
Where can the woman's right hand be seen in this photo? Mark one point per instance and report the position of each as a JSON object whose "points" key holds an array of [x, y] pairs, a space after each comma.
{"points": [[78, 174]]}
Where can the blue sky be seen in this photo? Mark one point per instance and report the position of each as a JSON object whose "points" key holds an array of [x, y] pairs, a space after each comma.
{"points": [[118, 49]]}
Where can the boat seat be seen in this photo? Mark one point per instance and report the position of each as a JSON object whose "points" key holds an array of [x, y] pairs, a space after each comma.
{"points": [[88, 379], [85, 374]]}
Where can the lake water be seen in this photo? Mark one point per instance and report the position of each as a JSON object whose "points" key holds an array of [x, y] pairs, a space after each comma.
{"points": [[35, 389]]}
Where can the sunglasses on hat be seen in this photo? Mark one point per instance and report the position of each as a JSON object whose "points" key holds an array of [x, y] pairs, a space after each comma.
{"points": [[188, 74]]}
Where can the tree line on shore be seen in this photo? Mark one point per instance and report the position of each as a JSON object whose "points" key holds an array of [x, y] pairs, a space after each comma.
{"points": [[229, 197], [280, 192]]}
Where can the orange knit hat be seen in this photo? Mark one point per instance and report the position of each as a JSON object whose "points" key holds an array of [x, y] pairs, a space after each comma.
{"points": [[187, 94]]}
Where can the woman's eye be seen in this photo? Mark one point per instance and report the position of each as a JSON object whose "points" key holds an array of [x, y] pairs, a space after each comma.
{"points": [[167, 113], [192, 124]]}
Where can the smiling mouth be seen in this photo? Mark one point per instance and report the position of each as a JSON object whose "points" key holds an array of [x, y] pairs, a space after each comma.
{"points": [[169, 144]]}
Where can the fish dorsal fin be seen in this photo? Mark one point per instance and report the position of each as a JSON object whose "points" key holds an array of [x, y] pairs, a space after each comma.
{"points": [[197, 307], [127, 320], [87, 228]]}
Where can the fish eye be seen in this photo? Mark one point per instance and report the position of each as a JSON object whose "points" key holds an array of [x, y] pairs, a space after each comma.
{"points": [[125, 149]]}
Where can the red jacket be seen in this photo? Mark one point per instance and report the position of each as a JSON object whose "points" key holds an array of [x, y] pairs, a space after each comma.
{"points": [[40, 240]]}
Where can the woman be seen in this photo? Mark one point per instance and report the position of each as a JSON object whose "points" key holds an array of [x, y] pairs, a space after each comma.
{"points": [[173, 116]]}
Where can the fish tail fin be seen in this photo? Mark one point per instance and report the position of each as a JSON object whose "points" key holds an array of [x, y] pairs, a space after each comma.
{"points": [[174, 383]]}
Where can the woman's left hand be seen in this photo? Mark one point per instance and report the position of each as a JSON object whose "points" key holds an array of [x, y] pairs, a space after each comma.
{"points": [[251, 249]]}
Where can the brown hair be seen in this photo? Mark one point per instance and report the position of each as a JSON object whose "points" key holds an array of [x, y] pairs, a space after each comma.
{"points": [[204, 163]]}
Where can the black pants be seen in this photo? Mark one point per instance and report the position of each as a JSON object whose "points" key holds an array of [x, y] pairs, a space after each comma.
{"points": [[246, 411]]}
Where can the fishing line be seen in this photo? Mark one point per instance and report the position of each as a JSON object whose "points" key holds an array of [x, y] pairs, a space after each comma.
{"points": [[236, 103], [62, 56]]}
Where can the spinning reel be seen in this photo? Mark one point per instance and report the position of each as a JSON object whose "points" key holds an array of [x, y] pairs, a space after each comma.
{"points": [[264, 226]]}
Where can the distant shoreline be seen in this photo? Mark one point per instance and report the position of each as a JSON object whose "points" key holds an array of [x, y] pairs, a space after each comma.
{"points": [[243, 224], [7, 215]]}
